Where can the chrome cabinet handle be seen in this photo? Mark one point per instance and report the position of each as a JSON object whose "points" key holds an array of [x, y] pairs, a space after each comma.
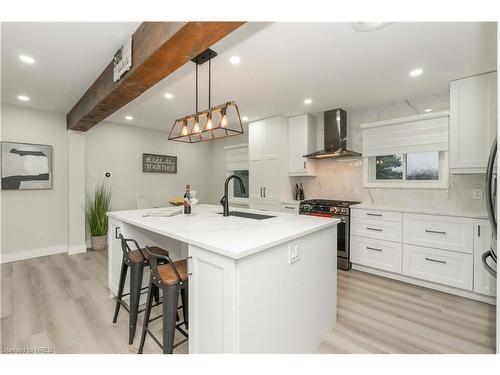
{"points": [[373, 248], [374, 229], [188, 261], [264, 192], [435, 260], [370, 214], [304, 165], [261, 192], [290, 207], [434, 231]]}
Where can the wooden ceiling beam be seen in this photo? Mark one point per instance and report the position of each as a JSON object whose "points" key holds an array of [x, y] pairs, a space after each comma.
{"points": [[158, 49]]}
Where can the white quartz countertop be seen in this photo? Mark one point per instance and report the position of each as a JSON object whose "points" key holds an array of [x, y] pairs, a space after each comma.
{"points": [[231, 236], [437, 211]]}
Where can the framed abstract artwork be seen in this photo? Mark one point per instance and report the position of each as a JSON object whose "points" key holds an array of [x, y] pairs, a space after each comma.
{"points": [[26, 166]]}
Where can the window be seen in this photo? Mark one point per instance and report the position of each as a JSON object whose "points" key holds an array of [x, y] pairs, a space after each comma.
{"points": [[237, 193], [237, 164], [411, 170], [407, 152]]}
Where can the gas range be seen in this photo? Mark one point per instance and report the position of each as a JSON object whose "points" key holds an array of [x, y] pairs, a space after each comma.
{"points": [[325, 207], [334, 209]]}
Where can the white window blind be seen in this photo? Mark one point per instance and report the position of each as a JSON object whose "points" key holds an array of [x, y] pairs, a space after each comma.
{"points": [[237, 158], [419, 133]]}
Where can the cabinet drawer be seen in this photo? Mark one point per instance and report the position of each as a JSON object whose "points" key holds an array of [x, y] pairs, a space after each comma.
{"points": [[383, 255], [377, 229], [441, 232], [440, 266], [289, 207], [374, 214]]}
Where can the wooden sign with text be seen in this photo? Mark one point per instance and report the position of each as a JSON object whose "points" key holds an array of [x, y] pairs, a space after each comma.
{"points": [[152, 163]]}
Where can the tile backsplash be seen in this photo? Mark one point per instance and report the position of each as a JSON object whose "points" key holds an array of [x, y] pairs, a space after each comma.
{"points": [[343, 179]]}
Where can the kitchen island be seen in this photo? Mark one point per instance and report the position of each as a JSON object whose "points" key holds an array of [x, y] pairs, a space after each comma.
{"points": [[255, 286]]}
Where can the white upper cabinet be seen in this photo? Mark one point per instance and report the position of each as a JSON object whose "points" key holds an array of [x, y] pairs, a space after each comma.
{"points": [[301, 141], [484, 283], [267, 163], [473, 113]]}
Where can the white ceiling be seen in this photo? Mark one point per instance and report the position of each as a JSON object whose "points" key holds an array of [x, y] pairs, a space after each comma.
{"points": [[69, 57], [281, 65]]}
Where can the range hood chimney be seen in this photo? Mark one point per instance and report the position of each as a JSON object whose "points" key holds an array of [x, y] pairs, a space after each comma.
{"points": [[335, 136]]}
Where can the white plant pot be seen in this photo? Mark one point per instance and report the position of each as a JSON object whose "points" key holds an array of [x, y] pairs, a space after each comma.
{"points": [[99, 242]]}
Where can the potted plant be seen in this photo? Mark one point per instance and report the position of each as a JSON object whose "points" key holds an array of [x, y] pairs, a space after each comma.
{"points": [[95, 216]]}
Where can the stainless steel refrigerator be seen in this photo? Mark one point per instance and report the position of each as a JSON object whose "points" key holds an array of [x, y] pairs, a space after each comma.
{"points": [[490, 256]]}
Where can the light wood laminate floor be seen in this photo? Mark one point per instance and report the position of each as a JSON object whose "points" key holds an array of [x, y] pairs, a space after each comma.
{"points": [[62, 302]]}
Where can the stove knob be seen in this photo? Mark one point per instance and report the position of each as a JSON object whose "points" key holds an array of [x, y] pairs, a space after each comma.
{"points": [[333, 210], [344, 210]]}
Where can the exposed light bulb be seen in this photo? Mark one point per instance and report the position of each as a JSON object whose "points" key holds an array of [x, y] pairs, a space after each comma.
{"points": [[196, 127], [184, 130], [209, 123], [223, 122]]}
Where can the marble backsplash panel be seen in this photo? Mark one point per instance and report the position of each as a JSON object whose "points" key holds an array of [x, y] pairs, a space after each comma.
{"points": [[343, 179]]}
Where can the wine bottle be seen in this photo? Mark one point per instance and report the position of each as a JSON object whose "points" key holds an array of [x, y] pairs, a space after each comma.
{"points": [[186, 204]]}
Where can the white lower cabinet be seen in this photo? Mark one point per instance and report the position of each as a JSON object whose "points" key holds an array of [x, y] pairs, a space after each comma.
{"points": [[442, 232], [484, 283], [383, 255], [377, 229], [440, 266]]}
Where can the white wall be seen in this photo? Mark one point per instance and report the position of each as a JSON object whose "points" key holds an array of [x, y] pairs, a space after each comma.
{"points": [[118, 149], [28, 213]]}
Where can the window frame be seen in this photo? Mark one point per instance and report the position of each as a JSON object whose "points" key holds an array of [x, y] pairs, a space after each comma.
{"points": [[370, 181]]}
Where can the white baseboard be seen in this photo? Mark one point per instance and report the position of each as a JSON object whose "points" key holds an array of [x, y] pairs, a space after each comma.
{"points": [[77, 249], [33, 253]]}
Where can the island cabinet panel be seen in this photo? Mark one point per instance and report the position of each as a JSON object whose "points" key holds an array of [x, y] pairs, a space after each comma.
{"points": [[212, 302], [276, 294]]}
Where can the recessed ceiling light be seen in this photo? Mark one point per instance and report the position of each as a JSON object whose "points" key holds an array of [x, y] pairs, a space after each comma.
{"points": [[307, 101], [416, 72], [369, 26], [244, 118], [234, 60], [129, 118], [27, 59], [23, 98], [168, 95], [428, 110]]}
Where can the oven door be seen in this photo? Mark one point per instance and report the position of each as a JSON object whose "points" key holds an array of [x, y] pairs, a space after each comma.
{"points": [[343, 237]]}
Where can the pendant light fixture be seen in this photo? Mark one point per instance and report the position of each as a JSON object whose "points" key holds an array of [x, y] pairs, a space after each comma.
{"points": [[213, 123]]}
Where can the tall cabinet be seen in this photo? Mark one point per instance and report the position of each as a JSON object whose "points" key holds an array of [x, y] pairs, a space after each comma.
{"points": [[268, 163], [473, 122]]}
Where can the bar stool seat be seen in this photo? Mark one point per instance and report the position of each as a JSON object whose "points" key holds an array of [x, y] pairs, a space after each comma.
{"points": [[135, 258], [167, 274], [138, 256]]}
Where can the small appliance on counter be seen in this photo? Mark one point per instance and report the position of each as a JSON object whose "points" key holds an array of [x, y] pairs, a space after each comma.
{"points": [[338, 210]]}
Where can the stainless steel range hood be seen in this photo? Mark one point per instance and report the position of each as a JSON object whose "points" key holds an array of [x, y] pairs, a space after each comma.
{"points": [[335, 137]]}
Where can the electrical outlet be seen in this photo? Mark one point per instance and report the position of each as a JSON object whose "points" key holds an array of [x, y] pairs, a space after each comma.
{"points": [[477, 194], [41, 234], [293, 253], [378, 192]]}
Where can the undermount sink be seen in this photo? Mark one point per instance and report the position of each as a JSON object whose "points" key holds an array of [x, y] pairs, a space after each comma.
{"points": [[249, 215]]}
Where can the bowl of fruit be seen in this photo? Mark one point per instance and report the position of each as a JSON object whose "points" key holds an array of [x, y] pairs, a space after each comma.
{"points": [[177, 201]]}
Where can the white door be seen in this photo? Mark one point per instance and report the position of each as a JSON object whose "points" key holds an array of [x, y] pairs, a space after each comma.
{"points": [[273, 159], [212, 302], [484, 283], [297, 144], [473, 113], [256, 152]]}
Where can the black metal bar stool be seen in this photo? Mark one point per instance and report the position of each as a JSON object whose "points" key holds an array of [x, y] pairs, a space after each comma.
{"points": [[135, 259], [171, 278]]}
